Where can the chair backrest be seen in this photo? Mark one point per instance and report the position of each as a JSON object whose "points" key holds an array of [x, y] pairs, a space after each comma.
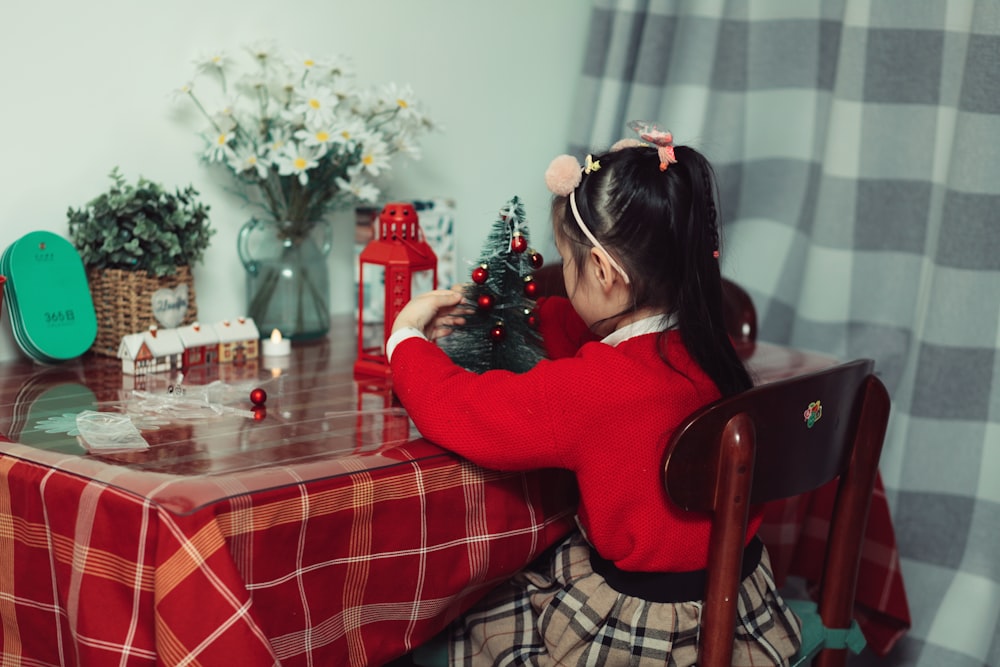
{"points": [[739, 314], [776, 441]]}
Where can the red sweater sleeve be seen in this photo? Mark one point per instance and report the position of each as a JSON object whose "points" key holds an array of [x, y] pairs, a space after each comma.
{"points": [[562, 329]]}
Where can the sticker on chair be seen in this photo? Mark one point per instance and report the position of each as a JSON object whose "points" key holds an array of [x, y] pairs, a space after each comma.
{"points": [[813, 414]]}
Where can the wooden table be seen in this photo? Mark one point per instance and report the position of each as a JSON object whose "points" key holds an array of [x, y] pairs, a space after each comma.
{"points": [[325, 533]]}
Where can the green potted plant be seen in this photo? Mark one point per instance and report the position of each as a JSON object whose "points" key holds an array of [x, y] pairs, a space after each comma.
{"points": [[138, 243]]}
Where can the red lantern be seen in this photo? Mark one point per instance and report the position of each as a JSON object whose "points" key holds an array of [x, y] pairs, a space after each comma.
{"points": [[396, 264]]}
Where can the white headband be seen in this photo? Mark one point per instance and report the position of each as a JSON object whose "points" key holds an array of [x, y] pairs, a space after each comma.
{"points": [[590, 237]]}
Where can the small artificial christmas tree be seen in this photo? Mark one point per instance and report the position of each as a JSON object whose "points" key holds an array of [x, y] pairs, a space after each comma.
{"points": [[501, 330]]}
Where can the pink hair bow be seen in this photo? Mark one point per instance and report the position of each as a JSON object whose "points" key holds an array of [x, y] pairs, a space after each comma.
{"points": [[664, 141]]}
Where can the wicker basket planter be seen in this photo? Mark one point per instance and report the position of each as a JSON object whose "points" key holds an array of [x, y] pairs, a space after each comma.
{"points": [[125, 303]]}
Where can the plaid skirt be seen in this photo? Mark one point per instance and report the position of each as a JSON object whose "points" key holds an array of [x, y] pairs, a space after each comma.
{"points": [[560, 612]]}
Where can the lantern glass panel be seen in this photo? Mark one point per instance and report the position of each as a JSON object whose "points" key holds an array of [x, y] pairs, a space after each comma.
{"points": [[423, 281], [373, 308]]}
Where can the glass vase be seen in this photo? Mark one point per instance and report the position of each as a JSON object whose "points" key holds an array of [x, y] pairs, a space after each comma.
{"points": [[288, 286]]}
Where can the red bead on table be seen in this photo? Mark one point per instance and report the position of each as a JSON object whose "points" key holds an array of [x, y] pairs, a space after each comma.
{"points": [[258, 396]]}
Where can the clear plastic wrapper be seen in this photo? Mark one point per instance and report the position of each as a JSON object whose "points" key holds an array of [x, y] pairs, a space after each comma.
{"points": [[108, 431]]}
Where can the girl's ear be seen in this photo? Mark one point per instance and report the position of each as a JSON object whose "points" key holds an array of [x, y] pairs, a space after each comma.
{"points": [[599, 266]]}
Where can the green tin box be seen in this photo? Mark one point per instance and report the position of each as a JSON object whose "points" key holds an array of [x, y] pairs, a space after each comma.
{"points": [[48, 298]]}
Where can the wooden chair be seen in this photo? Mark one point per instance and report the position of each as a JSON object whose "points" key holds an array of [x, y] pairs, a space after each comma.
{"points": [[776, 441]]}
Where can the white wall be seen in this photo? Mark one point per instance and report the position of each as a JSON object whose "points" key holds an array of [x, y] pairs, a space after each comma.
{"points": [[86, 86]]}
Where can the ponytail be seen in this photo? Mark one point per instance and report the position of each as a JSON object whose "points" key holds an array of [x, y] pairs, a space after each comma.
{"points": [[663, 226]]}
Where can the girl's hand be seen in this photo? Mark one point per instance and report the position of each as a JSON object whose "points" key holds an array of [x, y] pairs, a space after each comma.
{"points": [[433, 313]]}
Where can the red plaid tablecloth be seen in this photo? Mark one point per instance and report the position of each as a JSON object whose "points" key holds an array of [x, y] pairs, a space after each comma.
{"points": [[320, 536], [350, 569]]}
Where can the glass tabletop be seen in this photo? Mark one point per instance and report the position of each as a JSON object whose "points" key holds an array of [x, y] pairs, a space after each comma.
{"points": [[318, 421]]}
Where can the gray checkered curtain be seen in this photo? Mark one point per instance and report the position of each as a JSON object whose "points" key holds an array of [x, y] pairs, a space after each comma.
{"points": [[857, 145]]}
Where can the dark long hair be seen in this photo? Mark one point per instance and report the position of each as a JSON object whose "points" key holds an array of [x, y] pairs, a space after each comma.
{"points": [[662, 227]]}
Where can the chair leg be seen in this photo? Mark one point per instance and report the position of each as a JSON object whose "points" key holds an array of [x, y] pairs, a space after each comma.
{"points": [[831, 658]]}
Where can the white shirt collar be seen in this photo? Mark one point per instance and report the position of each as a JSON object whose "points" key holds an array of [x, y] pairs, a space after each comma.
{"points": [[651, 324]]}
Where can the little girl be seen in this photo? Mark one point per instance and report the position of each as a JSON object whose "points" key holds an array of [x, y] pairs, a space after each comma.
{"points": [[638, 346]]}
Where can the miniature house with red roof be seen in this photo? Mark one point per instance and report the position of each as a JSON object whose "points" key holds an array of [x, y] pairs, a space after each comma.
{"points": [[190, 347], [152, 351], [201, 345], [239, 340]]}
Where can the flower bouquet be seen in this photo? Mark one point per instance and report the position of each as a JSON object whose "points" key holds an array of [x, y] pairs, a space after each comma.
{"points": [[301, 138]]}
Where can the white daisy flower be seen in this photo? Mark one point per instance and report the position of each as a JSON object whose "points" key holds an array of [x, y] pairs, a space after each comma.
{"points": [[348, 131], [340, 66], [368, 103], [374, 157], [264, 52], [276, 143], [296, 160], [216, 61], [185, 90], [246, 159], [315, 103], [359, 188], [307, 62], [401, 99], [403, 143], [320, 137], [225, 115], [219, 148]]}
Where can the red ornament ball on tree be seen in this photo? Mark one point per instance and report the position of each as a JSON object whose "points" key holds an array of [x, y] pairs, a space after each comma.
{"points": [[536, 260], [519, 243], [258, 396], [530, 287], [532, 319], [485, 301], [498, 333], [479, 275]]}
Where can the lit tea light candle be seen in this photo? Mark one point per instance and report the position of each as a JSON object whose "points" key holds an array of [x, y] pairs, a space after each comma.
{"points": [[276, 346]]}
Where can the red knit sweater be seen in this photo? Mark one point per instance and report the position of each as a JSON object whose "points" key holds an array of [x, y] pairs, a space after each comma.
{"points": [[603, 412]]}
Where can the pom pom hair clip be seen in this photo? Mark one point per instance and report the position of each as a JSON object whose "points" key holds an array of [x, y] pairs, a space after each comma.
{"points": [[564, 175]]}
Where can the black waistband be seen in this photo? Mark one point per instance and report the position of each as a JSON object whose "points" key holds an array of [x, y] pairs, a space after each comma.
{"points": [[668, 586]]}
